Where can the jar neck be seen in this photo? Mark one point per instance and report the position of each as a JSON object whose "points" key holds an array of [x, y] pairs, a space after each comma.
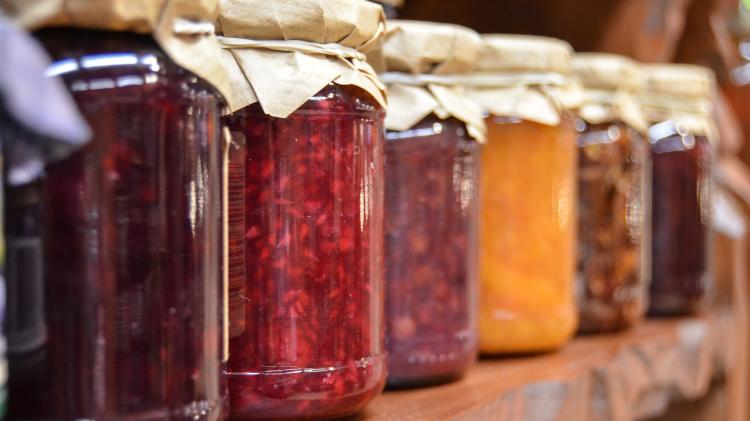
{"points": [[65, 41]]}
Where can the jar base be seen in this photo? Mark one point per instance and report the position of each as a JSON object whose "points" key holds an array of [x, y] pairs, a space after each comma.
{"points": [[673, 307], [417, 382]]}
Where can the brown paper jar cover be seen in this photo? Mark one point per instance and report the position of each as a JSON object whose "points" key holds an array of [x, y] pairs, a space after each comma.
{"points": [[524, 77], [183, 28], [283, 53], [422, 61]]}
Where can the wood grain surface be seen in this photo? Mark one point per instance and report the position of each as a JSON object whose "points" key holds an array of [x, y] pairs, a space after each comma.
{"points": [[631, 375]]}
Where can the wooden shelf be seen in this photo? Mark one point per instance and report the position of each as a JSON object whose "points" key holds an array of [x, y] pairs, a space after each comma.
{"points": [[631, 375]]}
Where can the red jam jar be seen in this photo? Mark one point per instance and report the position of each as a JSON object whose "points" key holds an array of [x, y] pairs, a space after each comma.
{"points": [[431, 228], [677, 102], [131, 228], [306, 332]]}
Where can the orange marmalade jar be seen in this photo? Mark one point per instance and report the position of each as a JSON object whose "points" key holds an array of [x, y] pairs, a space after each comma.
{"points": [[528, 188]]}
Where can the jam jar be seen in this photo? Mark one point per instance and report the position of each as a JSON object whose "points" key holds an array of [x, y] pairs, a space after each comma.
{"points": [[528, 190], [613, 195], [434, 135], [306, 335], [132, 238], [431, 244], [677, 102]]}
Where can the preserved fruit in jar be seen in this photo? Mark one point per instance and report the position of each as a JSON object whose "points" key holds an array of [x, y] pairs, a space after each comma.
{"points": [[132, 236], [306, 318], [431, 227], [311, 344], [528, 190], [612, 266], [677, 100], [681, 224], [613, 195], [432, 209], [527, 243]]}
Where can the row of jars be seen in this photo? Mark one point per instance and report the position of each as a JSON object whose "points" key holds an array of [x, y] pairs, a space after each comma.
{"points": [[294, 251]]}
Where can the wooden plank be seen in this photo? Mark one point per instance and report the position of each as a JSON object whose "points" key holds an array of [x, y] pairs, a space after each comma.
{"points": [[624, 376]]}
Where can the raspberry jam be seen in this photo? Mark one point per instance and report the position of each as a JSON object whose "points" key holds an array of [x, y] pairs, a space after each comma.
{"points": [[309, 341], [431, 222], [681, 222], [132, 237]]}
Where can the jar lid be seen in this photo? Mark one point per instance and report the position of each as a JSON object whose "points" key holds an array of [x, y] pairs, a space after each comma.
{"points": [[183, 29], [521, 53], [610, 85], [282, 53], [605, 71], [349, 23], [525, 77], [677, 79], [430, 48], [423, 62], [682, 93]]}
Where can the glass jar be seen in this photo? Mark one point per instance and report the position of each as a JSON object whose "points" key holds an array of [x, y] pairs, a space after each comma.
{"points": [[25, 324], [681, 219], [528, 237], [389, 7], [613, 265], [132, 236], [431, 228], [309, 342], [678, 100]]}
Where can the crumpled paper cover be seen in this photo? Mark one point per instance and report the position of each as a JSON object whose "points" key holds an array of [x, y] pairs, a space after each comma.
{"points": [[415, 48], [525, 77], [679, 92], [183, 28], [610, 84], [281, 76]]}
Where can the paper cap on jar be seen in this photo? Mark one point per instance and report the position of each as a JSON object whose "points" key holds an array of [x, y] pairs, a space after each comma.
{"points": [[350, 23], [430, 48], [281, 53], [677, 79], [679, 92], [508, 53], [118, 15], [183, 28], [605, 71]]}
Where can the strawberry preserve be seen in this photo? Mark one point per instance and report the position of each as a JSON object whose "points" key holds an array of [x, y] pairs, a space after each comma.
{"points": [[306, 332], [431, 246], [132, 237]]}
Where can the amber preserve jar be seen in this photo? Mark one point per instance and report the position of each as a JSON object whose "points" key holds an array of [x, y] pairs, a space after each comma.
{"points": [[528, 184], [306, 313], [431, 203], [677, 103], [130, 224], [613, 195]]}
